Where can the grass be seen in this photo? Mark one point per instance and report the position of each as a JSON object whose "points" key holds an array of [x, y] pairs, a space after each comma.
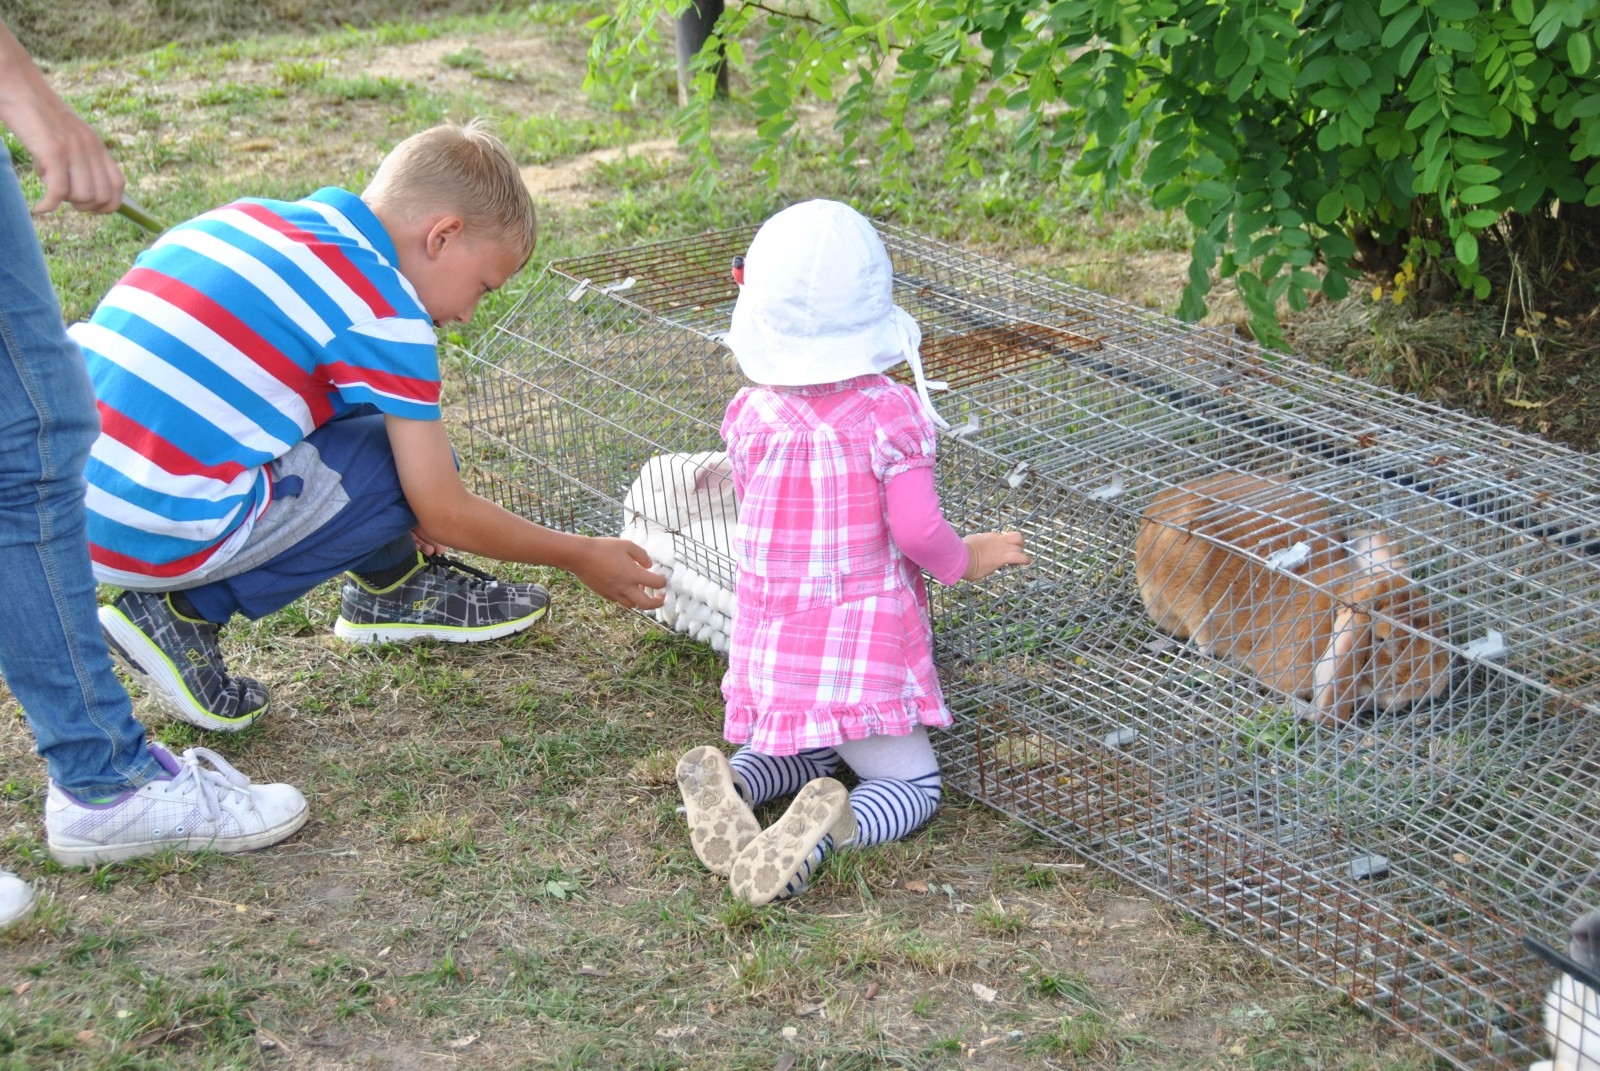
{"points": [[494, 871]]}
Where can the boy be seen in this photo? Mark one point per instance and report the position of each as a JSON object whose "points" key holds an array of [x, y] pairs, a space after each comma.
{"points": [[268, 382]]}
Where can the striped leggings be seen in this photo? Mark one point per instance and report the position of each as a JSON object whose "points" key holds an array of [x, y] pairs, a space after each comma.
{"points": [[899, 776]]}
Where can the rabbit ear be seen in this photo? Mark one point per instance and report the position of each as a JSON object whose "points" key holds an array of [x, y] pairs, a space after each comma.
{"points": [[711, 474], [1334, 693]]}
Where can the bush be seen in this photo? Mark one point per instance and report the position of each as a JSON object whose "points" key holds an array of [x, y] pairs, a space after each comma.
{"points": [[1306, 140]]}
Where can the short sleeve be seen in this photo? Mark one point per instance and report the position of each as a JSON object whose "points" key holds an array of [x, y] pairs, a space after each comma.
{"points": [[390, 363], [905, 434]]}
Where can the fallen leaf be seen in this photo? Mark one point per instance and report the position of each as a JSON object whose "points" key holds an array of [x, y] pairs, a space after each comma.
{"points": [[21, 988], [83, 1037], [670, 1032], [916, 886], [461, 1043], [592, 971], [872, 990], [1523, 404], [784, 1062], [790, 1032], [983, 992], [815, 1009]]}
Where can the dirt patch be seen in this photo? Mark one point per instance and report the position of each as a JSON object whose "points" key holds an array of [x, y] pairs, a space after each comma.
{"points": [[567, 182]]}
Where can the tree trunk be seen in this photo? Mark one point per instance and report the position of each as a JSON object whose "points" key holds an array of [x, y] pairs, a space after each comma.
{"points": [[694, 26]]}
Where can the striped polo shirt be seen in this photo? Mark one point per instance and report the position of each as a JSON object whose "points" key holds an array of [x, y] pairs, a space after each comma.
{"points": [[232, 338]]}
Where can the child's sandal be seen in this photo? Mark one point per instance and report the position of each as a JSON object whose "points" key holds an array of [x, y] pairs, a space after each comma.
{"points": [[720, 824], [782, 855]]}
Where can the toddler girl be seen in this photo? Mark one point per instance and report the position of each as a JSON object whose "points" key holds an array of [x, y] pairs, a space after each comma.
{"points": [[831, 652]]}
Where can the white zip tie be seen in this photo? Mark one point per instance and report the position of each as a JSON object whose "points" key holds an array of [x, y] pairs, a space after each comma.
{"points": [[1491, 647], [1111, 490], [1289, 557]]}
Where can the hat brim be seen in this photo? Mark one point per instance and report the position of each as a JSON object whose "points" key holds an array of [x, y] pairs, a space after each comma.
{"points": [[776, 360]]}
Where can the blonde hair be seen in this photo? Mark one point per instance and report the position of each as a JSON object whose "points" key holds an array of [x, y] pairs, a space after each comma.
{"points": [[465, 169]]}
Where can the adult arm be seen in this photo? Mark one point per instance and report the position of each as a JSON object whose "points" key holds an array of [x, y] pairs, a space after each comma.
{"points": [[67, 154], [448, 513]]}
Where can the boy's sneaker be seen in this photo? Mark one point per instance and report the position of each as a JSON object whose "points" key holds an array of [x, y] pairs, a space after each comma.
{"points": [[177, 660], [16, 900], [439, 599], [193, 809]]}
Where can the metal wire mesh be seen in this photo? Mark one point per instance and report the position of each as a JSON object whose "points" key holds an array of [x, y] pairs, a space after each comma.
{"points": [[1398, 857]]}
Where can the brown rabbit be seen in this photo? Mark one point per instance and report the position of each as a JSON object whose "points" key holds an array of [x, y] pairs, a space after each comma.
{"points": [[1352, 629]]}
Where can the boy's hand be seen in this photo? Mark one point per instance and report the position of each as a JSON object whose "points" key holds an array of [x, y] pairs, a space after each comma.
{"points": [[619, 570], [988, 551], [427, 544]]}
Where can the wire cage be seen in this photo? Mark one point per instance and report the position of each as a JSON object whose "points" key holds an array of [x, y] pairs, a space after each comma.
{"points": [[1399, 856]]}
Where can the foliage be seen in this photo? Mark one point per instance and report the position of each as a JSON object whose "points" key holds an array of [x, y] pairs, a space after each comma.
{"points": [[1296, 135]]}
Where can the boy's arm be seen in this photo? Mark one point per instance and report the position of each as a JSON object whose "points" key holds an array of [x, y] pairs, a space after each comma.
{"points": [[612, 568]]}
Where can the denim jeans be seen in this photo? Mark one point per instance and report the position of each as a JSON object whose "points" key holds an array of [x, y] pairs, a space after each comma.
{"points": [[52, 654]]}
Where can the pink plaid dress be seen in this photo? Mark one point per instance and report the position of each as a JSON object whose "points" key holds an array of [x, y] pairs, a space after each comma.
{"points": [[832, 639]]}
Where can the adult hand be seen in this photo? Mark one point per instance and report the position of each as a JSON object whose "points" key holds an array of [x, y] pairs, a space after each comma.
{"points": [[988, 551], [68, 155], [619, 570]]}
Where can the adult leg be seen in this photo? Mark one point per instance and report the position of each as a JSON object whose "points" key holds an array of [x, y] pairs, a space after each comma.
{"points": [[51, 650]]}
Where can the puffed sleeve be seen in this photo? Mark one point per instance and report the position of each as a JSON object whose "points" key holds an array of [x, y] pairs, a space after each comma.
{"points": [[905, 435]]}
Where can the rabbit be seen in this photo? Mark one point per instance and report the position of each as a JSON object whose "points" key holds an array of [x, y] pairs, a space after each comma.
{"points": [[1357, 631], [681, 510], [1572, 1009]]}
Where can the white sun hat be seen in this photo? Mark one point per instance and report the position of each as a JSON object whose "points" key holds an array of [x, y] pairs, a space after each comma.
{"points": [[817, 304]]}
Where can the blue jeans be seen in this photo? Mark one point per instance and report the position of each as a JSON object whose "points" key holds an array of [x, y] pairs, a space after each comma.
{"points": [[51, 651]]}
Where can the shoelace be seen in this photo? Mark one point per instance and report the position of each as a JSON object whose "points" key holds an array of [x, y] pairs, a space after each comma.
{"points": [[212, 783], [439, 561]]}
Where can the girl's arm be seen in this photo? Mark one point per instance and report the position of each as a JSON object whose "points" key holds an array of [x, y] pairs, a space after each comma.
{"points": [[923, 535]]}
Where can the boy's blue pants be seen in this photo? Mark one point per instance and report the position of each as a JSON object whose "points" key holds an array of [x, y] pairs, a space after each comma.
{"points": [[359, 521]]}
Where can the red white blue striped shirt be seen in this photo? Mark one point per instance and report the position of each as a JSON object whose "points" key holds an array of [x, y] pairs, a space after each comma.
{"points": [[233, 337]]}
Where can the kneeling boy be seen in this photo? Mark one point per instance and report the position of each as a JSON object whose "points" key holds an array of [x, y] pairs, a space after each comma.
{"points": [[268, 383]]}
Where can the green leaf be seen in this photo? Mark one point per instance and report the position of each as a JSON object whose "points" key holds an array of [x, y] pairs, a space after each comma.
{"points": [[1477, 195], [1396, 31], [1455, 39], [1475, 174], [1578, 53], [1481, 218], [1330, 207], [1454, 10], [1467, 248], [1523, 10]]}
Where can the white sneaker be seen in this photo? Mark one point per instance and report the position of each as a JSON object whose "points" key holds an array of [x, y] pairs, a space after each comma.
{"points": [[194, 809], [16, 900]]}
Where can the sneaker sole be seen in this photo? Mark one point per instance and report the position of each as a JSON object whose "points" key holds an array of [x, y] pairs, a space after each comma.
{"points": [[84, 854], [132, 650], [720, 824], [398, 632], [774, 859]]}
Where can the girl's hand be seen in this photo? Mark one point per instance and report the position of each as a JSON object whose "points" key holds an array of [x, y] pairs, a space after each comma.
{"points": [[988, 551]]}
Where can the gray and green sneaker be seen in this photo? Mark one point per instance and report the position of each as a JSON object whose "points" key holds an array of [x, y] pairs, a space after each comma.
{"points": [[177, 660], [439, 599]]}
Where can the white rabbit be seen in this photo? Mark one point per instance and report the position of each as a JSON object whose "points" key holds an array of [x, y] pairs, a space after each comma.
{"points": [[1572, 1009], [681, 510], [1356, 632]]}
